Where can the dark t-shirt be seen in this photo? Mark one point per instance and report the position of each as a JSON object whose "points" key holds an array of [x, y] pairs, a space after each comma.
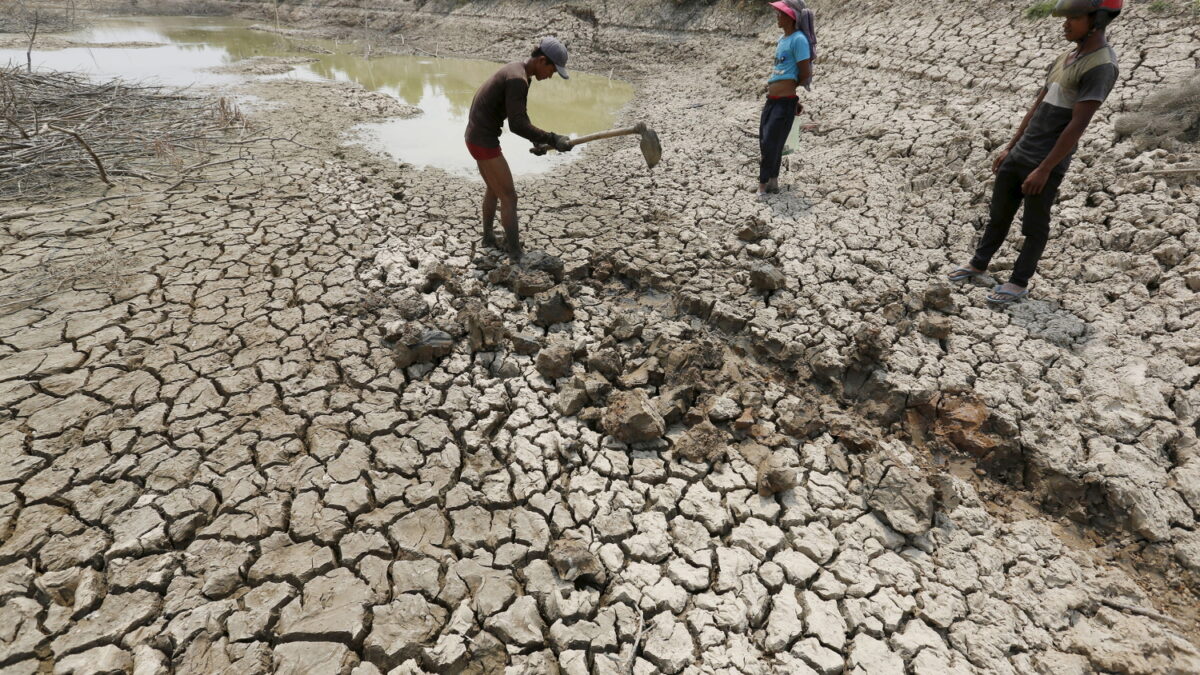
{"points": [[1089, 78], [502, 96]]}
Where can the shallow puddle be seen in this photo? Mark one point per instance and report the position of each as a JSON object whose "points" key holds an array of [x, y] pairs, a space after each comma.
{"points": [[192, 51]]}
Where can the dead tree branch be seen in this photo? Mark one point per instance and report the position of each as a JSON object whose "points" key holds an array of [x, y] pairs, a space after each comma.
{"points": [[88, 148]]}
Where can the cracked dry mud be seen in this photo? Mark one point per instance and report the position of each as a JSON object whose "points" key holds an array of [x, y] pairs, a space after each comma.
{"points": [[294, 421]]}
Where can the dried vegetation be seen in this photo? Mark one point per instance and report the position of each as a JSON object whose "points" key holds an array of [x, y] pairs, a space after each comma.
{"points": [[59, 131], [1168, 118]]}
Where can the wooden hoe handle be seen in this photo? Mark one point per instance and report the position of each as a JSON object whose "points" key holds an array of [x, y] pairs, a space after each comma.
{"points": [[542, 148]]}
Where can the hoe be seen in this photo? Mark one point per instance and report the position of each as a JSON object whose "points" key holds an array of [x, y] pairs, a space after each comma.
{"points": [[651, 148]]}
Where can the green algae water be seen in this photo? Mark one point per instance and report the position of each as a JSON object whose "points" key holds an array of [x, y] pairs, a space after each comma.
{"points": [[195, 51]]}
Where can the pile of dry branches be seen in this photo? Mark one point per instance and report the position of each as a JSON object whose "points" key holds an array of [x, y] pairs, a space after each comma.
{"points": [[1168, 118], [58, 130]]}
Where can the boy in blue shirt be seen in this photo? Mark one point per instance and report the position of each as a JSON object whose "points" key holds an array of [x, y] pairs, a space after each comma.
{"points": [[793, 67]]}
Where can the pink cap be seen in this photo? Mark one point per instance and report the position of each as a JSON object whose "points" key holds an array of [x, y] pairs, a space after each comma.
{"points": [[783, 7]]}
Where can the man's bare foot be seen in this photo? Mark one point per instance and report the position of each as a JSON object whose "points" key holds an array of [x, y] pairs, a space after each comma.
{"points": [[512, 246], [489, 239]]}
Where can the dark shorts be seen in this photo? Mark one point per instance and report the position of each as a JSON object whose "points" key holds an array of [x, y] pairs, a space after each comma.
{"points": [[481, 153]]}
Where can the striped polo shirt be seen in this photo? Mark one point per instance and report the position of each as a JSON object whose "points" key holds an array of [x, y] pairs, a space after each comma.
{"points": [[1089, 78]]}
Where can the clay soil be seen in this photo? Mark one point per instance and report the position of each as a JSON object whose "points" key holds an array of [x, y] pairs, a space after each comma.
{"points": [[290, 416]]}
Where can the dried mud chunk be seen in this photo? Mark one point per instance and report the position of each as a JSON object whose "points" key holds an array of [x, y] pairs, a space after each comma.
{"points": [[501, 275], [668, 645], [412, 344], [574, 562], [597, 388], [673, 402], [331, 607], [607, 362], [936, 327], [774, 476], [485, 330], [961, 420], [631, 418], [726, 318], [540, 261], [520, 624], [528, 283], [702, 443], [106, 659], [553, 307], [900, 495], [745, 421], [766, 278], [295, 658], [116, 616], [440, 274], [524, 344], [753, 231], [646, 373], [410, 305], [723, 409], [623, 328], [938, 297], [696, 305], [401, 628], [554, 361], [571, 399]]}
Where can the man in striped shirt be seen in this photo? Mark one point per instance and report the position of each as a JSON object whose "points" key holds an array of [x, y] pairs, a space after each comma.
{"points": [[1032, 166]]}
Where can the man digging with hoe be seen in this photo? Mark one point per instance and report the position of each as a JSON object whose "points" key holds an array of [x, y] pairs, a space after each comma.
{"points": [[503, 96]]}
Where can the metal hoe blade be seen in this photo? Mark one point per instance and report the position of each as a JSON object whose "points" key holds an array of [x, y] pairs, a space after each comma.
{"points": [[651, 147]]}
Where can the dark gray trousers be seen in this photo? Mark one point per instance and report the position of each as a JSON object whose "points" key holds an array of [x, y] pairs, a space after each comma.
{"points": [[773, 129], [1035, 221]]}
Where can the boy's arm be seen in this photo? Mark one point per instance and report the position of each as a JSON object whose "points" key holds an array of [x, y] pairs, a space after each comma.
{"points": [[803, 68], [1081, 116], [803, 71]]}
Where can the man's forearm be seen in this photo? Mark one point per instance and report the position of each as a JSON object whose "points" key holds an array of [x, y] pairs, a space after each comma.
{"points": [[1066, 143], [1025, 121], [1081, 117]]}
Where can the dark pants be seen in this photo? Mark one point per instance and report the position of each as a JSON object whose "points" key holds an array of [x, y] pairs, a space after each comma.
{"points": [[1035, 221], [773, 129]]}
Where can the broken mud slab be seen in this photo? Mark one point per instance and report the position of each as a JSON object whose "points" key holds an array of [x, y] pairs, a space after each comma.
{"points": [[54, 43], [310, 109], [265, 65], [335, 101]]}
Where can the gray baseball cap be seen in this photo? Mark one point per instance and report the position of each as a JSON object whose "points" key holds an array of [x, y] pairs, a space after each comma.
{"points": [[557, 53]]}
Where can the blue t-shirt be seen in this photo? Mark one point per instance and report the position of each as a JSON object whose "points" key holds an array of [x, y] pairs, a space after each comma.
{"points": [[790, 50]]}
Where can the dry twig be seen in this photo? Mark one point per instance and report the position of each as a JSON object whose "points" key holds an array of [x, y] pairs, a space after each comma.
{"points": [[1141, 611]]}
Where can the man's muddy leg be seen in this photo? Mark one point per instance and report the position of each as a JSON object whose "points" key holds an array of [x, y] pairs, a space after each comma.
{"points": [[488, 208], [489, 217], [500, 183]]}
